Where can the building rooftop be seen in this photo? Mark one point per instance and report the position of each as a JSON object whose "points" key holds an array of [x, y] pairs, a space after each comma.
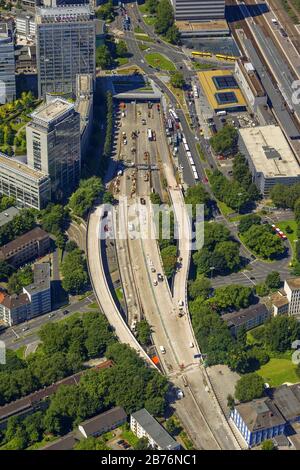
{"points": [[213, 25], [240, 317], [7, 215], [51, 111], [3, 30], [250, 74], [64, 443], [260, 414], [64, 14], [21, 168], [293, 283], [104, 420], [155, 430], [233, 97], [270, 152], [41, 276], [287, 400], [15, 301], [35, 234]]}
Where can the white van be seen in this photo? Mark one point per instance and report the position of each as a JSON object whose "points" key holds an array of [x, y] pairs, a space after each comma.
{"points": [[162, 350]]}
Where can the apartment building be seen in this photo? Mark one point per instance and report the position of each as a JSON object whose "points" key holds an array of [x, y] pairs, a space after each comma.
{"points": [[14, 308], [25, 248], [142, 424], [7, 65], [29, 187], [247, 318], [103, 422], [39, 292], [53, 145], [199, 10], [292, 289], [66, 41]]}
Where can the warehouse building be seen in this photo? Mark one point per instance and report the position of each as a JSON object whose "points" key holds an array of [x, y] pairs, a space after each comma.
{"points": [[222, 91], [270, 157]]}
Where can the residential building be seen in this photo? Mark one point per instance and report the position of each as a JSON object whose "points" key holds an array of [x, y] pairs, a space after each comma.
{"points": [[270, 157], [14, 308], [53, 145], [252, 88], [65, 47], [199, 10], [39, 292], [142, 424], [25, 25], [29, 187], [247, 318], [104, 422], [7, 65], [280, 303], [8, 215], [25, 248], [292, 289], [258, 420], [64, 443]]}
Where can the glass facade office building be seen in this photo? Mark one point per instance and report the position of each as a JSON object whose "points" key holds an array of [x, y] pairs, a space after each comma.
{"points": [[65, 47]]}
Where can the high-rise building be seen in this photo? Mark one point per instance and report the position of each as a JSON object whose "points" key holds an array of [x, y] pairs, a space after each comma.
{"points": [[53, 145], [7, 65], [199, 10], [65, 47]]}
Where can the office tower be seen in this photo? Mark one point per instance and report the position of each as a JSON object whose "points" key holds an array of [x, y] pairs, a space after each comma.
{"points": [[53, 145], [199, 10], [65, 47], [7, 66]]}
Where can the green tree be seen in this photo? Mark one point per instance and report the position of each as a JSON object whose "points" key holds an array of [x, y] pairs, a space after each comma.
{"points": [[84, 197], [232, 296], [5, 270], [200, 287], [273, 280], [263, 242], [155, 198], [121, 49], [230, 251], [173, 35], [248, 387], [106, 11], [143, 332], [225, 140], [280, 332], [55, 218], [142, 444], [268, 445], [247, 221], [177, 80], [172, 428], [230, 402], [164, 18], [104, 58], [151, 6], [169, 259], [91, 443], [262, 289]]}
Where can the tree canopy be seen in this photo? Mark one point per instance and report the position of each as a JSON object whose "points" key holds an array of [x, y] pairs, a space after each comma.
{"points": [[249, 387], [225, 140], [82, 200]]}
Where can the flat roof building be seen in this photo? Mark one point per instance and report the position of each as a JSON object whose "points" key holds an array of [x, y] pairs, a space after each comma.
{"points": [[270, 157], [248, 79], [7, 65], [66, 42], [39, 292], [143, 424], [53, 145], [199, 10], [29, 187], [192, 29], [222, 90]]}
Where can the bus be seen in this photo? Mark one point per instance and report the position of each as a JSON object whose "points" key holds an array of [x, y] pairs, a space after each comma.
{"points": [[183, 139], [149, 134], [186, 147], [201, 54], [195, 175], [226, 57], [173, 115], [191, 161], [170, 124]]}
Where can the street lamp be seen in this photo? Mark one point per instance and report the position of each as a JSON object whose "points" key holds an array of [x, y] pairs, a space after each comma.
{"points": [[211, 271]]}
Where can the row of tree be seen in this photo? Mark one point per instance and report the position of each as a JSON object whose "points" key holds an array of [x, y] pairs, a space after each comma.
{"points": [[21, 223], [231, 193], [66, 345], [129, 383], [164, 21]]}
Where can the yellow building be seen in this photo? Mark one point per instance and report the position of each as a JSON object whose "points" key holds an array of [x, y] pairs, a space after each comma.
{"points": [[222, 91]]}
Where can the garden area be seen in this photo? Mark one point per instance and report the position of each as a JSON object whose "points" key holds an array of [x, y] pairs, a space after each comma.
{"points": [[157, 60], [13, 118]]}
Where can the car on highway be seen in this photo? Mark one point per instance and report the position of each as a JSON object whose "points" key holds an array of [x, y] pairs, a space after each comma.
{"points": [[155, 282], [179, 394], [25, 328], [162, 349], [191, 345], [180, 304], [142, 201], [153, 270], [160, 277], [50, 315], [65, 312]]}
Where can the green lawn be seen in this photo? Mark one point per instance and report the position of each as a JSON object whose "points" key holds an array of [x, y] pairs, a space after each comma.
{"points": [[202, 66], [149, 20], [277, 371], [200, 152], [20, 352], [225, 210], [121, 61], [138, 29], [128, 436], [159, 61], [143, 37], [93, 305], [119, 292], [143, 47]]}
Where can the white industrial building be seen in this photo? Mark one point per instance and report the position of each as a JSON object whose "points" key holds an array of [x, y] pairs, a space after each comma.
{"points": [[271, 160]]}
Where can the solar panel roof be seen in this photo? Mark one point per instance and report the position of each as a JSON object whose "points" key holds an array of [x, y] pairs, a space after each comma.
{"points": [[225, 81], [226, 97]]}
